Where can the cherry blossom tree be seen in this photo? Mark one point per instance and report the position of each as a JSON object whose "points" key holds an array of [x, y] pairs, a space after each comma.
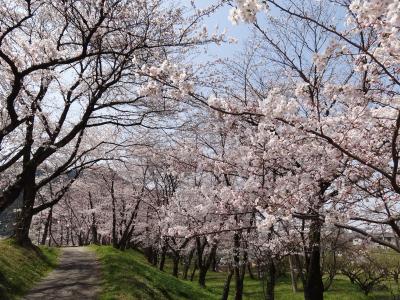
{"points": [[338, 101], [70, 66]]}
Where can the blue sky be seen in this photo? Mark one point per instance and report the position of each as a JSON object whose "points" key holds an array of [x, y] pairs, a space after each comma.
{"points": [[241, 32]]}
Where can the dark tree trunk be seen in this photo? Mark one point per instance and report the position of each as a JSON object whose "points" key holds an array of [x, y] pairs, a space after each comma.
{"points": [[62, 235], [80, 239], [214, 264], [300, 271], [155, 257], [188, 261], [193, 272], [175, 268], [46, 227], [200, 245], [271, 275], [24, 219], [293, 276], [239, 272], [72, 238], [114, 217], [127, 233], [239, 283], [202, 276], [227, 284], [50, 231], [149, 254], [250, 271], [162, 259], [94, 223], [204, 263], [314, 286], [68, 233]]}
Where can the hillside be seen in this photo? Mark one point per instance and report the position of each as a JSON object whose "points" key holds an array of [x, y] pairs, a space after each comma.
{"points": [[21, 268], [128, 276]]}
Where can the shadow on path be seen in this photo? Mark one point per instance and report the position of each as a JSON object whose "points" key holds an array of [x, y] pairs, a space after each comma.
{"points": [[76, 277]]}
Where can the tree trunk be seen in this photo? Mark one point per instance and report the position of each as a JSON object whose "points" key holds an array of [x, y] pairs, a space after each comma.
{"points": [[72, 238], [50, 233], [204, 264], [28, 184], [68, 233], [188, 261], [250, 271], [155, 257], [193, 272], [62, 235], [126, 235], [175, 267], [114, 217], [94, 223], [271, 275], [24, 219], [239, 284], [214, 264], [46, 227], [162, 259], [202, 276], [292, 275], [225, 292], [200, 245], [314, 286], [300, 271], [239, 272]]}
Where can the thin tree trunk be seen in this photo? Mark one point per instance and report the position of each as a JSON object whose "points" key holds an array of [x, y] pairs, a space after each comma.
{"points": [[46, 227], [94, 222], [225, 292], [292, 275], [114, 217], [193, 272], [162, 259], [188, 261], [214, 264], [250, 271], [175, 267], [126, 235], [205, 266]]}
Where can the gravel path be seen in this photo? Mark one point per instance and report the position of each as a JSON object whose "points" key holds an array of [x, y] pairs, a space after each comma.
{"points": [[76, 277]]}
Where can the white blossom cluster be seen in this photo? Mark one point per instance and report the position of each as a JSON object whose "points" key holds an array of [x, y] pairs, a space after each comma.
{"points": [[246, 11]]}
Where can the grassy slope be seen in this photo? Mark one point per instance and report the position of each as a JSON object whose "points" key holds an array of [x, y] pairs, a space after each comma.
{"points": [[127, 275], [21, 268]]}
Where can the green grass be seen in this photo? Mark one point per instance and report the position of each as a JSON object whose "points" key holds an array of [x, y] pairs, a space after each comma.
{"points": [[341, 289], [21, 268], [127, 275]]}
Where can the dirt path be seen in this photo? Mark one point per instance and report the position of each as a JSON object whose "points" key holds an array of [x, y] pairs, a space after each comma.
{"points": [[76, 277]]}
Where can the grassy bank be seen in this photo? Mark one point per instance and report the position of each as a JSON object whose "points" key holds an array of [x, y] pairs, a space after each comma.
{"points": [[127, 275], [21, 268]]}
